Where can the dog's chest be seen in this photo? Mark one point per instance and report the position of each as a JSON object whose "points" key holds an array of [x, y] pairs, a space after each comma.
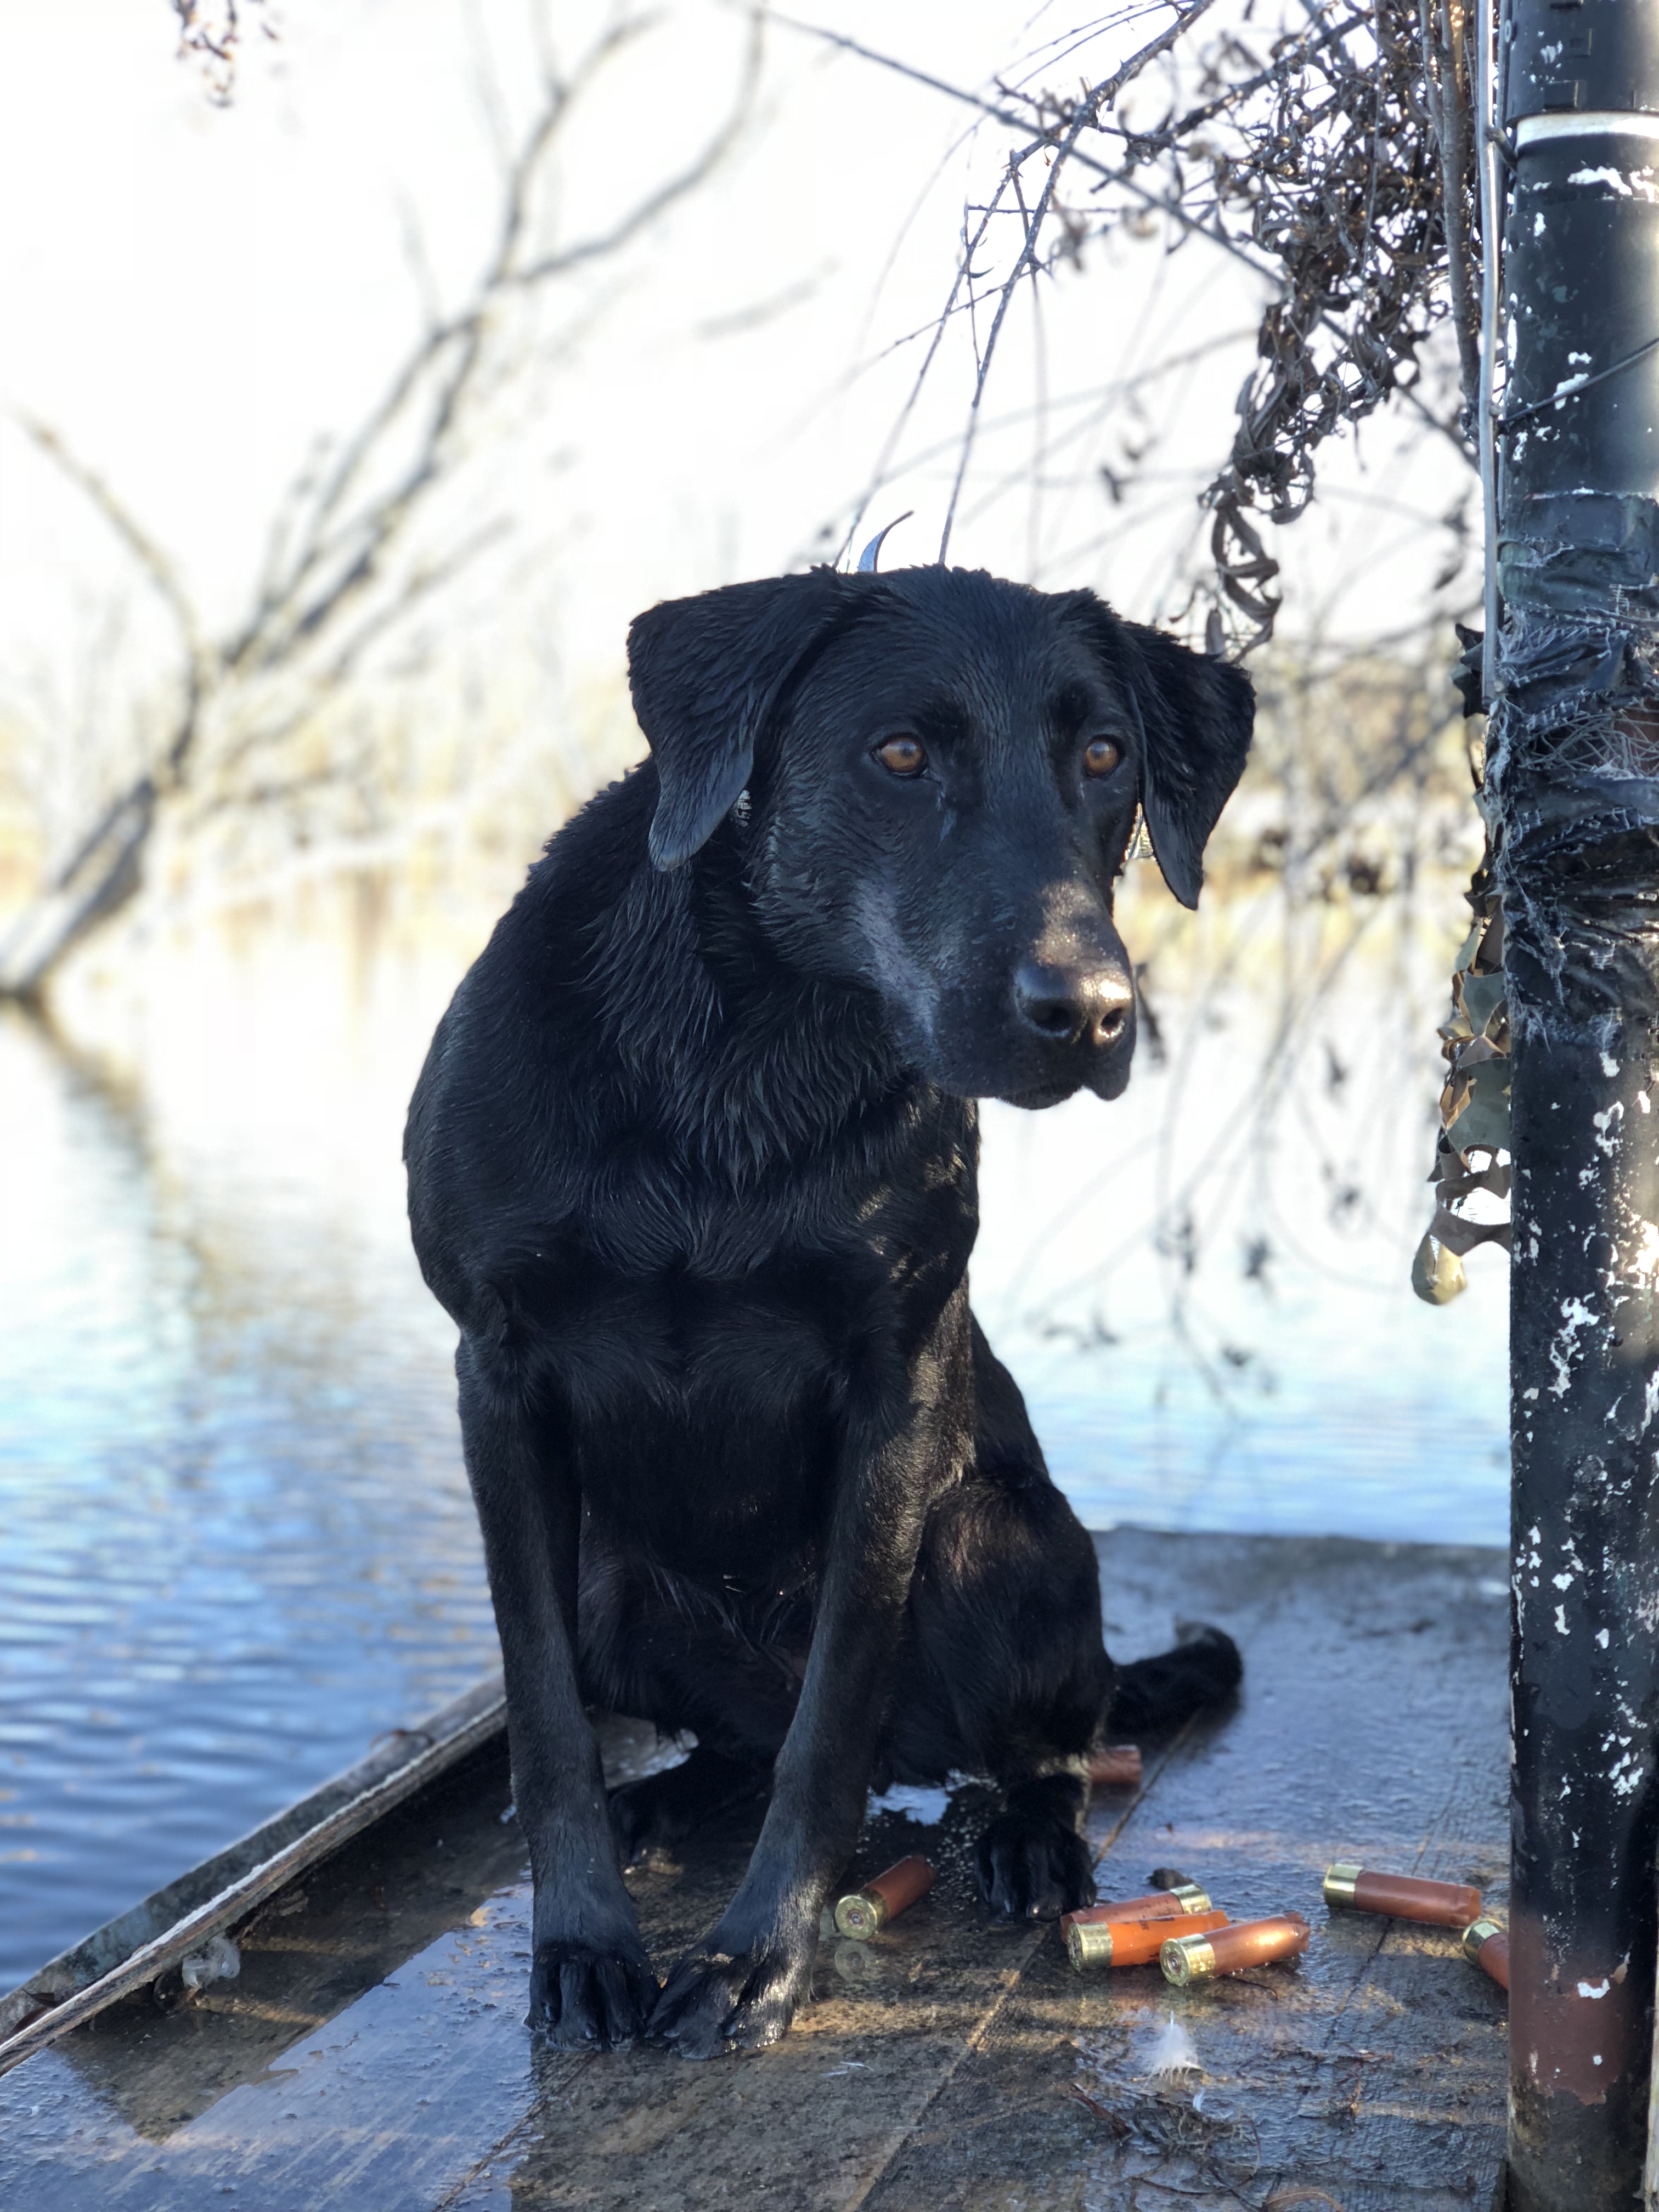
{"points": [[705, 1344], [705, 1414], [700, 1346]]}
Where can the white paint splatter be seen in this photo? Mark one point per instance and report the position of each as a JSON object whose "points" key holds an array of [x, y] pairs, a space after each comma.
{"points": [[1575, 1316], [1562, 1582], [1610, 178], [1601, 1637], [1625, 1774], [1561, 1628], [1609, 1065], [1591, 1990], [1606, 1127]]}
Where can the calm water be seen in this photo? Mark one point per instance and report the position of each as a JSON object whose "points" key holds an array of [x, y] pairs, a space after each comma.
{"points": [[235, 1541]]}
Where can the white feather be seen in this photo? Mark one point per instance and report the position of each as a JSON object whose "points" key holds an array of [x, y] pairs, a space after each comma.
{"points": [[1173, 2052]]}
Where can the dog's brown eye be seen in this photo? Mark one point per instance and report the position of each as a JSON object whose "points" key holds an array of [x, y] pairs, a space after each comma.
{"points": [[1101, 755], [901, 755]]}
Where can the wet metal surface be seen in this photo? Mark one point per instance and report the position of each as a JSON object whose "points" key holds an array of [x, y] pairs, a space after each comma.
{"points": [[372, 2051]]}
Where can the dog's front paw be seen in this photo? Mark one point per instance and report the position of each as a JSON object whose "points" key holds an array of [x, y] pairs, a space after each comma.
{"points": [[1032, 1864], [716, 2000], [584, 1999]]}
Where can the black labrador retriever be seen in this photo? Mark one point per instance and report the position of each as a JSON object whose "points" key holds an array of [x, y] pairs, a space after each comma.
{"points": [[692, 1165]]}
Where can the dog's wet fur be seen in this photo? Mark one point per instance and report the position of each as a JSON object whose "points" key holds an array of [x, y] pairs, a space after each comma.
{"points": [[692, 1165]]}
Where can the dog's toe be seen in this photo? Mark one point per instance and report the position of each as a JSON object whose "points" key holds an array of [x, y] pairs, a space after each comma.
{"points": [[583, 1999], [715, 2003], [1033, 1866]]}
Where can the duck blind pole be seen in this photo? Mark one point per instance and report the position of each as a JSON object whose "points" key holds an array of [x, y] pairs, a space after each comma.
{"points": [[1573, 755]]}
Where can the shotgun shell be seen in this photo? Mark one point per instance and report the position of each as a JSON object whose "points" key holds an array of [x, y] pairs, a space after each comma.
{"points": [[1157, 1905], [1090, 1942], [1441, 1904], [1487, 1945], [867, 1911], [1230, 1950], [1116, 1765]]}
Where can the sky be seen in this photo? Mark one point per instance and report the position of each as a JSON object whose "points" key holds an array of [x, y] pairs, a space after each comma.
{"points": [[198, 294]]}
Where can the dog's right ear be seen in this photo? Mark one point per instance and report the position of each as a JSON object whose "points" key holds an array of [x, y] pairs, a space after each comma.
{"points": [[706, 674]]}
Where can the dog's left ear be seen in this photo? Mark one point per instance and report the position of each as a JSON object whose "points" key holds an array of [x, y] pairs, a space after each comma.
{"points": [[706, 674], [1196, 714]]}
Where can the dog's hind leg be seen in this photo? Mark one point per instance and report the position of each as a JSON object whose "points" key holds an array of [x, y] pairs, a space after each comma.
{"points": [[1003, 1673], [1003, 1670], [658, 1811]]}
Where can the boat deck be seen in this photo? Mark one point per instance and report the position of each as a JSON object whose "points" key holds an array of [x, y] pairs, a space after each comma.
{"points": [[372, 2053]]}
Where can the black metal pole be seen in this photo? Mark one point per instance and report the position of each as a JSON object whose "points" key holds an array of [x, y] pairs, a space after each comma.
{"points": [[1573, 748]]}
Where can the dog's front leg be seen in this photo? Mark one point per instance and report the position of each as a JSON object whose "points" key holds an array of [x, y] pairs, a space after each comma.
{"points": [[591, 1982], [905, 1441]]}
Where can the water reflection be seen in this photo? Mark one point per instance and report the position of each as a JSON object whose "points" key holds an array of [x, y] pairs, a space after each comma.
{"points": [[238, 1541]]}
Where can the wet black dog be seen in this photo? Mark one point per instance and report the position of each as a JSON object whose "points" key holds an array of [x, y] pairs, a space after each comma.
{"points": [[692, 1165]]}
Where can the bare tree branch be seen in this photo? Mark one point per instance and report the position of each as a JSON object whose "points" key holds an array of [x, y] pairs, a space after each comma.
{"points": [[143, 547], [328, 588], [1337, 165]]}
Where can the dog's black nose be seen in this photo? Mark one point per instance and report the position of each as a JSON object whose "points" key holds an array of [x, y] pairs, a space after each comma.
{"points": [[1070, 1006]]}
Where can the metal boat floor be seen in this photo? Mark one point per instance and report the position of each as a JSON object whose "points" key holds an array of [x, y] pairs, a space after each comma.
{"points": [[372, 2054]]}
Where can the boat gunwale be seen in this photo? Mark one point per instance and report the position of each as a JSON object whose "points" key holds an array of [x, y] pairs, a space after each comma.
{"points": [[44, 2009]]}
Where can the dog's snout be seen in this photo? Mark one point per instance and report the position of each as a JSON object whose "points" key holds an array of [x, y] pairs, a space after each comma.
{"points": [[1073, 1006]]}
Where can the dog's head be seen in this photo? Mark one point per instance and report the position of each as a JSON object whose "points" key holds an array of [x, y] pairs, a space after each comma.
{"points": [[938, 775]]}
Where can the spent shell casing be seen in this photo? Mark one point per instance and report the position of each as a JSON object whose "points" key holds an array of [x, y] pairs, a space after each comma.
{"points": [[1187, 1959], [1156, 1905], [1353, 1888], [866, 1911], [1129, 1943], [1116, 1765], [1486, 1945]]}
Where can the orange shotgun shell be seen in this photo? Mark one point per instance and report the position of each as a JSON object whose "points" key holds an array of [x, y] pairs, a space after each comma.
{"points": [[866, 1911], [1441, 1904], [1090, 1942], [1230, 1950], [1156, 1905], [1487, 1945]]}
